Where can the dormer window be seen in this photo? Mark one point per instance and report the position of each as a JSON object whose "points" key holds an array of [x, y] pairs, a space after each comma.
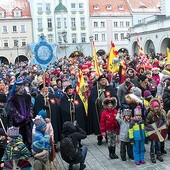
{"points": [[96, 7], [2, 13], [121, 7], [109, 7], [17, 12], [142, 6]]}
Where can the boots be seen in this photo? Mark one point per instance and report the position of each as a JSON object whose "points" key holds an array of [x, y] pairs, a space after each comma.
{"points": [[159, 157], [163, 151], [153, 160], [99, 138], [82, 166], [112, 154]]}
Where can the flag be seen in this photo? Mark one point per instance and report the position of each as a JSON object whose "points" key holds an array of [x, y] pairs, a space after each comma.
{"points": [[122, 71], [168, 54], [95, 60], [81, 90], [113, 65], [144, 60]]}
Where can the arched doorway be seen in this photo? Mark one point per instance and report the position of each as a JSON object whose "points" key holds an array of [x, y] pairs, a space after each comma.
{"points": [[135, 48], [149, 47], [4, 60], [21, 58], [165, 43]]}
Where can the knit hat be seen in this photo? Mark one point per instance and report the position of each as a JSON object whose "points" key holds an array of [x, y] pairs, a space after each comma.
{"points": [[126, 76], [38, 146], [127, 112], [2, 132], [142, 77], [13, 132], [42, 113], [147, 94], [137, 111], [137, 91], [155, 104], [147, 72], [39, 122]]}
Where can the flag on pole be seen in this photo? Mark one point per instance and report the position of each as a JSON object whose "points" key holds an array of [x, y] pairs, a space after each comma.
{"points": [[168, 54], [113, 65], [144, 59], [95, 60], [81, 90]]}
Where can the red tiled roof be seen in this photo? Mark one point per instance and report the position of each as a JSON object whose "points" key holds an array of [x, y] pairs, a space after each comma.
{"points": [[114, 10], [10, 5], [139, 5]]}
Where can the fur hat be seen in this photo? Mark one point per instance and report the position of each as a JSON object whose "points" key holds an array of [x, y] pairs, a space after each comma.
{"points": [[137, 111], [39, 122], [112, 100], [127, 112], [137, 91], [2, 132], [13, 132], [147, 94], [38, 146], [101, 77]]}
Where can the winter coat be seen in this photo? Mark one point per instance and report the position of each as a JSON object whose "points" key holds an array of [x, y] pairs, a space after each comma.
{"points": [[16, 150], [108, 121], [156, 77], [137, 130], [166, 99], [124, 128]]}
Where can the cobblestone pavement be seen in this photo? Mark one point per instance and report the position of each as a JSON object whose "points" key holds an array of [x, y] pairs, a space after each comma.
{"points": [[98, 158]]}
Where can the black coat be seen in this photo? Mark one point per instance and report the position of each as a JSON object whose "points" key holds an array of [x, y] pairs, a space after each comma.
{"points": [[54, 115], [80, 114], [93, 117], [166, 99]]}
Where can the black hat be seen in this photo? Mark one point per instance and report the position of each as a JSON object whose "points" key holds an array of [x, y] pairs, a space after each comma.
{"points": [[2, 132], [101, 77], [68, 87], [41, 86], [142, 77], [3, 98]]}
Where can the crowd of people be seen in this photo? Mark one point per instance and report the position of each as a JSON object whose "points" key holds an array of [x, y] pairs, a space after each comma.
{"points": [[38, 110]]}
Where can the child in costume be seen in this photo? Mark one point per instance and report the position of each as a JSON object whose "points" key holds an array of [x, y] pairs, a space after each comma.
{"points": [[109, 124], [40, 155], [3, 143], [137, 136], [16, 149], [124, 123], [155, 115]]}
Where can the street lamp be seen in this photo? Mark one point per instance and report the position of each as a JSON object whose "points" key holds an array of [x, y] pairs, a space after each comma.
{"points": [[91, 41], [64, 35], [16, 45]]}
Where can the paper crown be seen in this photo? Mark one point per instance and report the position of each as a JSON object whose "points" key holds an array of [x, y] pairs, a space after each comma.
{"points": [[13, 132], [127, 112], [138, 111], [39, 122]]}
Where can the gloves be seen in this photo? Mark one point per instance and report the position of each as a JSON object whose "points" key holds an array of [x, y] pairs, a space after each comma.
{"points": [[104, 134]]}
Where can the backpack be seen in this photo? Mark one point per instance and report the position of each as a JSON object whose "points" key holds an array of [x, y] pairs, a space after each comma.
{"points": [[68, 151]]}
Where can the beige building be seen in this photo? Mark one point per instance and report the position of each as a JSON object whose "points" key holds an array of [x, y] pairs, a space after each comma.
{"points": [[15, 30]]}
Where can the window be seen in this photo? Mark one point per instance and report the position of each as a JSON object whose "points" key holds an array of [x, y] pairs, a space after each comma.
{"points": [[121, 7], [96, 7], [22, 28], [116, 36], [4, 29], [109, 7], [23, 42], [49, 22], [2, 14], [82, 22], [65, 22], [73, 5], [15, 43], [121, 24], [58, 22], [96, 37], [5, 43], [39, 8], [17, 13], [127, 24], [74, 38], [122, 36], [50, 38], [103, 37], [59, 37], [73, 22], [39, 23], [83, 37], [96, 24], [102, 24], [14, 28], [81, 6], [47, 7], [115, 24]]}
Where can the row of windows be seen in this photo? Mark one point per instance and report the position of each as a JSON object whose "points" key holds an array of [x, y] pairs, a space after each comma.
{"points": [[16, 43], [115, 24], [15, 28], [43, 7], [108, 7], [80, 6], [16, 13], [40, 23]]}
